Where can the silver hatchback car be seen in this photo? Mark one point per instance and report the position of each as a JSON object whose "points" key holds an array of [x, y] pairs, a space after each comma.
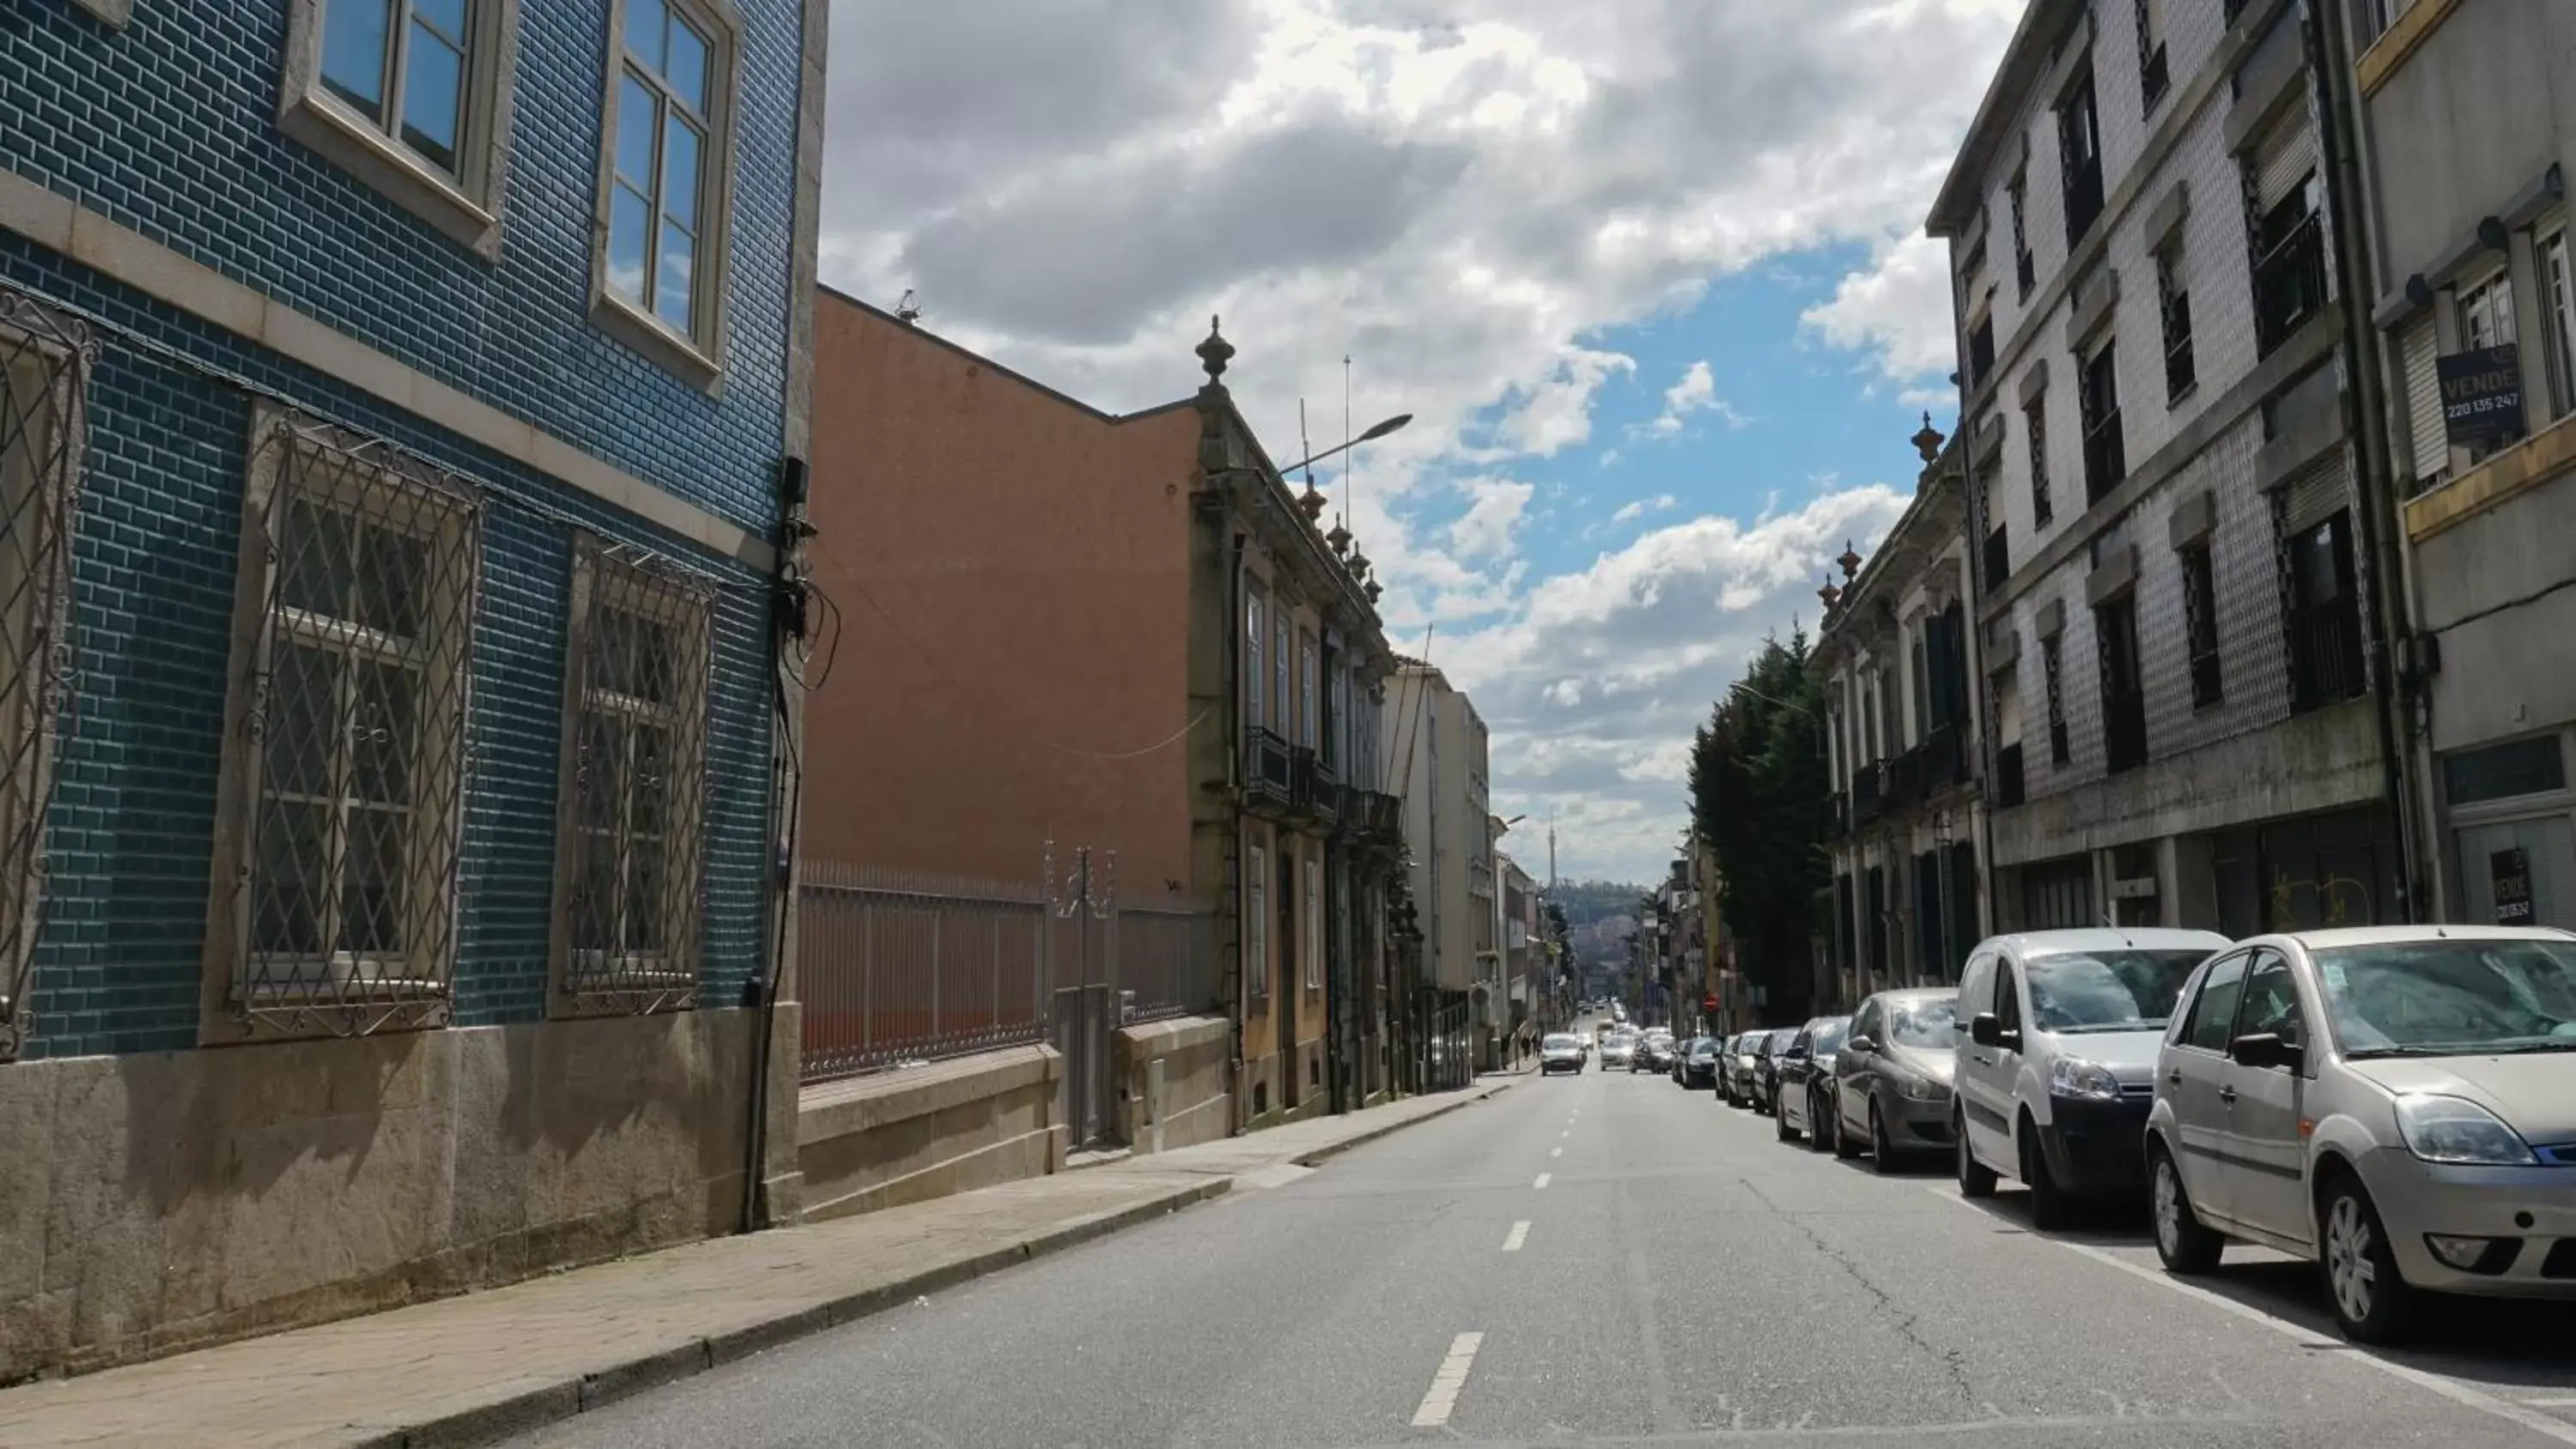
{"points": [[2396, 1104]]}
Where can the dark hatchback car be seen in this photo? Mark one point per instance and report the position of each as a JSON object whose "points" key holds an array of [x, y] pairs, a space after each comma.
{"points": [[1655, 1053], [1806, 1071], [1767, 1048], [1699, 1064], [1892, 1079]]}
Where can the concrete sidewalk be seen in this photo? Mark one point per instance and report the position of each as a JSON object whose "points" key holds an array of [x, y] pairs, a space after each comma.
{"points": [[472, 1369]]}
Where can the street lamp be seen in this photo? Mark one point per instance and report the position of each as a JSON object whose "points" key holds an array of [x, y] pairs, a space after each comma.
{"points": [[1374, 433]]}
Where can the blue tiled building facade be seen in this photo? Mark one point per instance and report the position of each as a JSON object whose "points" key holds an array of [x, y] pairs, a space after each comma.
{"points": [[398, 398]]}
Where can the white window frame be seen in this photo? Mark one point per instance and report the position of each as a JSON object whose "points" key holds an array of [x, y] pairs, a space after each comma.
{"points": [[2489, 302], [1310, 726], [247, 994], [697, 355], [624, 981], [39, 514], [2558, 283], [1256, 911], [1314, 942], [1256, 677], [465, 204]]}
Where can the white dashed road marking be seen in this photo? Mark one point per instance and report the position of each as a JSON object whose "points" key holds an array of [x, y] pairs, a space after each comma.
{"points": [[1443, 1394], [1519, 1235], [1542, 1180], [1556, 1152]]}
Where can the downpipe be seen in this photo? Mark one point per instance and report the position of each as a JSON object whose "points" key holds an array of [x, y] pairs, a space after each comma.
{"points": [[2362, 402]]}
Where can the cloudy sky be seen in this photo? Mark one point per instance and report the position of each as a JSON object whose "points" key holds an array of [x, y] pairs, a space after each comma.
{"points": [[1648, 274]]}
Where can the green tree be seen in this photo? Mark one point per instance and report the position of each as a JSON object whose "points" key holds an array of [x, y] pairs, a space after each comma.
{"points": [[1760, 798]]}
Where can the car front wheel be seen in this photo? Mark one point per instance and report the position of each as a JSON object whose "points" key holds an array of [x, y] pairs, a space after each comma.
{"points": [[2372, 1302]]}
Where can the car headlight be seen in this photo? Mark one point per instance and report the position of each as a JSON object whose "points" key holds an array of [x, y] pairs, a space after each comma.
{"points": [[2458, 1131], [2076, 1077], [1921, 1089]]}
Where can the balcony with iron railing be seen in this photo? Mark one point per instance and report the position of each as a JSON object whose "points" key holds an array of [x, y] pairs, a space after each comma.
{"points": [[1945, 759], [2106, 457], [1869, 797], [2325, 655], [2289, 285], [2008, 777], [1269, 771], [2124, 729], [1316, 792], [1903, 784]]}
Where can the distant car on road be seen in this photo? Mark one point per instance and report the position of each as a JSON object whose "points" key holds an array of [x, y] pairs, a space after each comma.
{"points": [[1617, 1049], [1806, 1072], [2395, 1104], [1737, 1085], [1560, 1051], [1766, 1065], [1700, 1063], [1891, 1080], [1654, 1052]]}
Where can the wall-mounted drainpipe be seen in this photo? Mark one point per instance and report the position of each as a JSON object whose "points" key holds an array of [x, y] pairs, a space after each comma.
{"points": [[1234, 791], [790, 620]]}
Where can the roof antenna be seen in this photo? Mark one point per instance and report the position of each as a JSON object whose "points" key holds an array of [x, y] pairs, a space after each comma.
{"points": [[905, 311]]}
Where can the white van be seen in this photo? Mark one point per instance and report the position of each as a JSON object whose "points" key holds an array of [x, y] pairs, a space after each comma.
{"points": [[2056, 1072]]}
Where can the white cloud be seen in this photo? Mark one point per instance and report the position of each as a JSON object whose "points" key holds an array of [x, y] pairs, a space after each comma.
{"points": [[1899, 309], [1464, 197], [1695, 393], [1632, 511], [1485, 529]]}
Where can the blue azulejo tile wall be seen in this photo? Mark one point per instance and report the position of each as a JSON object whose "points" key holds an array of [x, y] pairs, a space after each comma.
{"points": [[168, 128]]}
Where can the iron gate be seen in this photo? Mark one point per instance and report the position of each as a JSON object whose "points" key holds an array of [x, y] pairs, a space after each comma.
{"points": [[1083, 926]]}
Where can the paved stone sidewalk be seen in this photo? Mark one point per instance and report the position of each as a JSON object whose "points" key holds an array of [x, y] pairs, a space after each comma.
{"points": [[471, 1369]]}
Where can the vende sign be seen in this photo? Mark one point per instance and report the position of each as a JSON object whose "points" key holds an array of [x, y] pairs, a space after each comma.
{"points": [[2481, 395]]}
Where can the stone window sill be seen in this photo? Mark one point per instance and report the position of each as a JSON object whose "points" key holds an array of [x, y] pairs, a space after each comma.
{"points": [[2526, 465], [358, 148], [630, 324]]}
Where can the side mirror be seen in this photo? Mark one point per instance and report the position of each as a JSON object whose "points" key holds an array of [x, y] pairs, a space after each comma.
{"points": [[1987, 1030], [1859, 1046], [1796, 1054], [2265, 1050]]}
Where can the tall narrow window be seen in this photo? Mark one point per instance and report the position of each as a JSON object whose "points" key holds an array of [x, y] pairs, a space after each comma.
{"points": [[2079, 145], [411, 97], [2059, 751], [1310, 724], [2025, 274], [2173, 300], [633, 787], [2036, 418], [668, 120], [2325, 616], [2486, 320], [1256, 922], [1256, 630], [1314, 942], [1282, 661], [2124, 691], [44, 364], [359, 576], [407, 66], [2105, 445], [2562, 322], [2154, 74], [2200, 626]]}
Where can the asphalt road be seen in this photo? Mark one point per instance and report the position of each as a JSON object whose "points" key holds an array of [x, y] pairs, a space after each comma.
{"points": [[1610, 1259]]}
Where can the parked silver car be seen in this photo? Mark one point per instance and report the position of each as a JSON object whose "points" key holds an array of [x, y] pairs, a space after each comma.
{"points": [[1891, 1080], [2397, 1104]]}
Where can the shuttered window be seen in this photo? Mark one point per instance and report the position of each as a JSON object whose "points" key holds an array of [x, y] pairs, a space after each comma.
{"points": [[2417, 346]]}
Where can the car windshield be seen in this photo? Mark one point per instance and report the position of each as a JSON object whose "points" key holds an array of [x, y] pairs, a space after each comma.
{"points": [[2451, 998], [1931, 1026], [1829, 1036], [2108, 990], [1559, 1042], [1703, 1049]]}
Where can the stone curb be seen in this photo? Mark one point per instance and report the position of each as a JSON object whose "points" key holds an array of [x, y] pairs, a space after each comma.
{"points": [[1322, 1154], [520, 1413]]}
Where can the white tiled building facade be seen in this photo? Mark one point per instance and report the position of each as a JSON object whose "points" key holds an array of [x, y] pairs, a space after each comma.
{"points": [[2173, 580]]}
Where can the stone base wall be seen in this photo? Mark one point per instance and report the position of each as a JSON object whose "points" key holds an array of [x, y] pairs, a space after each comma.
{"points": [[164, 1201], [908, 1136], [1172, 1088]]}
